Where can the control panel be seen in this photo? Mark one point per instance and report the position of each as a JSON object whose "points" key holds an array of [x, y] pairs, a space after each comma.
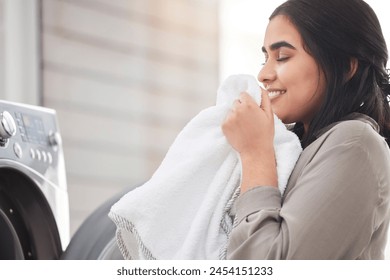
{"points": [[29, 135]]}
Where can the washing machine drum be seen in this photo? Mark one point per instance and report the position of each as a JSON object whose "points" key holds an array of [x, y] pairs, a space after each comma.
{"points": [[28, 227]]}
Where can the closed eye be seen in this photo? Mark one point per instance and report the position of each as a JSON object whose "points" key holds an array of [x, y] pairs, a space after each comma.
{"points": [[284, 58], [278, 49]]}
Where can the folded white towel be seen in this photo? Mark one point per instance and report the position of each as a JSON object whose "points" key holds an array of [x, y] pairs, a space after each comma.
{"points": [[183, 211]]}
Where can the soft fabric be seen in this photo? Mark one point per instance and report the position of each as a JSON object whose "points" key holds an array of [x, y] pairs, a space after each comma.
{"points": [[183, 211]]}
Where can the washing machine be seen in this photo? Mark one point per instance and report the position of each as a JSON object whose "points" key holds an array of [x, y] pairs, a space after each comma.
{"points": [[34, 208]]}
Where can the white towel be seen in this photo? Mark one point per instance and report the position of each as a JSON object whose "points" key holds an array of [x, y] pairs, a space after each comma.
{"points": [[183, 211]]}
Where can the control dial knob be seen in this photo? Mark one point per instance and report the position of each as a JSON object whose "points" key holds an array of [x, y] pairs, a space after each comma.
{"points": [[55, 139], [7, 126]]}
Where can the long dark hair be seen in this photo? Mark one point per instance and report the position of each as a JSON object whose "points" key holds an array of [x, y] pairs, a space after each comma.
{"points": [[336, 32]]}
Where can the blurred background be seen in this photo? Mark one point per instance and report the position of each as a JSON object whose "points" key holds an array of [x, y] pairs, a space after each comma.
{"points": [[125, 76]]}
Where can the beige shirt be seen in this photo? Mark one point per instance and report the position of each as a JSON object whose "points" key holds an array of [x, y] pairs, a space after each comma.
{"points": [[336, 205]]}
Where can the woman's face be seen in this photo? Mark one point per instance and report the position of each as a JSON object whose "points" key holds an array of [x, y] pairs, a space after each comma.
{"points": [[290, 75]]}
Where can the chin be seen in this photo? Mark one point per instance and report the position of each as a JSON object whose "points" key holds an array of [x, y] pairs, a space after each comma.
{"points": [[284, 119], [278, 114]]}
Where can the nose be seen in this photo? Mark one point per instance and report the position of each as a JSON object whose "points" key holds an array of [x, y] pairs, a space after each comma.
{"points": [[267, 74]]}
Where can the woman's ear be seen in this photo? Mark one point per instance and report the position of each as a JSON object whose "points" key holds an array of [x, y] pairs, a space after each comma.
{"points": [[353, 67]]}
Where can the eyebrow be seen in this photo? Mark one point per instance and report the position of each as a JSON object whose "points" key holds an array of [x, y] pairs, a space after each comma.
{"points": [[278, 45]]}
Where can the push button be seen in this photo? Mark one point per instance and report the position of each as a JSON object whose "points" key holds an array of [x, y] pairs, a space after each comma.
{"points": [[44, 156], [18, 150], [32, 153], [38, 155], [49, 157]]}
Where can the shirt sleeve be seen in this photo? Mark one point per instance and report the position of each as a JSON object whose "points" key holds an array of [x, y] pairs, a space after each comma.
{"points": [[330, 212]]}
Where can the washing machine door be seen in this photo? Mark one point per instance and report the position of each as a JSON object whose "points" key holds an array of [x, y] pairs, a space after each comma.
{"points": [[28, 229]]}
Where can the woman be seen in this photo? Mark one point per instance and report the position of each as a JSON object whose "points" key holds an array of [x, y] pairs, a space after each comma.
{"points": [[324, 71]]}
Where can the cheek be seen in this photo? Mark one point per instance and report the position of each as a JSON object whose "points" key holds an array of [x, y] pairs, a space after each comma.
{"points": [[298, 83], [302, 81], [293, 76], [302, 84]]}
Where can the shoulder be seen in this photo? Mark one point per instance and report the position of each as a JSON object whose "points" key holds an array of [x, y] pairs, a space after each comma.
{"points": [[361, 131], [357, 133], [351, 153], [358, 144], [351, 139]]}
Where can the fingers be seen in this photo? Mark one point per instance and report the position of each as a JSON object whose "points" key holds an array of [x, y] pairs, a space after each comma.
{"points": [[244, 96], [248, 101], [243, 99], [266, 103]]}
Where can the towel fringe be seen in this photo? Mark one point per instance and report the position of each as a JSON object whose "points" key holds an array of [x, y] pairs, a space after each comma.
{"points": [[228, 221], [125, 225], [227, 224]]}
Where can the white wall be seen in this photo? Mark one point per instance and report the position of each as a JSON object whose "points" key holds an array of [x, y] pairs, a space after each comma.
{"points": [[2, 54], [20, 50], [243, 25], [125, 77]]}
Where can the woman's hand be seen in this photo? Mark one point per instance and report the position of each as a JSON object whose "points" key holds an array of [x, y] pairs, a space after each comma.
{"points": [[250, 130]]}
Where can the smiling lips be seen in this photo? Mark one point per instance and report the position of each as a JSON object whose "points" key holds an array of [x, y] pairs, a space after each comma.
{"points": [[275, 93]]}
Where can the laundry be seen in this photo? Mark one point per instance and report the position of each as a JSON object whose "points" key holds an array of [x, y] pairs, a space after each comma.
{"points": [[184, 210]]}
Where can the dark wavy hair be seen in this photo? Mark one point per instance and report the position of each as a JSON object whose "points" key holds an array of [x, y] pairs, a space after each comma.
{"points": [[334, 33]]}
